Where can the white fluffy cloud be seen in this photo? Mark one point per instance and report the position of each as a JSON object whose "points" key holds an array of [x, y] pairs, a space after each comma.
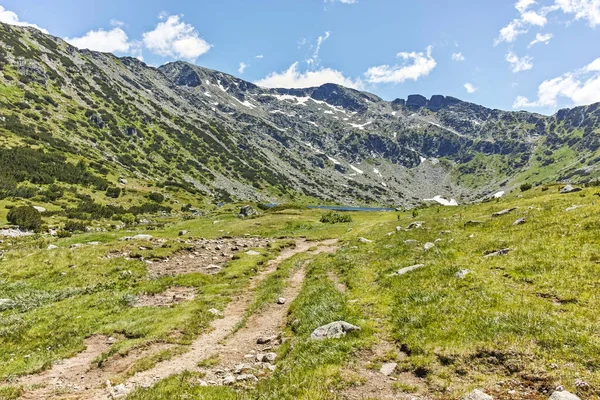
{"points": [[341, 1], [293, 78], [416, 65], [242, 67], [11, 18], [581, 87], [510, 32], [583, 9], [541, 38], [458, 56], [518, 64], [259, 57], [115, 40], [175, 38], [314, 60], [470, 88]]}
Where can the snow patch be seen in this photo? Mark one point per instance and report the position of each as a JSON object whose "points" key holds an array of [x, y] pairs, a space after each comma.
{"points": [[356, 169], [245, 103], [440, 200], [499, 194], [361, 127], [423, 159], [333, 160]]}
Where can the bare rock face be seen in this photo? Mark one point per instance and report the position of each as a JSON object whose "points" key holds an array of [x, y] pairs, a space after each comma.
{"points": [[570, 189], [247, 211], [416, 100], [334, 330]]}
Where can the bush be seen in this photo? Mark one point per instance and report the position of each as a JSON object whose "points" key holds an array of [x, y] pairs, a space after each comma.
{"points": [[128, 219], [26, 217], [113, 192], [335, 218], [157, 197], [75, 226], [525, 187]]}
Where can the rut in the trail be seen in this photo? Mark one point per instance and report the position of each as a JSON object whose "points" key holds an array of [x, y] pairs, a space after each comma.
{"points": [[76, 378]]}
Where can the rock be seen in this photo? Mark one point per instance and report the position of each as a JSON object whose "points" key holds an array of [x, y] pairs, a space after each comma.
{"points": [[253, 253], [477, 395], [572, 208], [504, 212], [281, 300], [408, 269], [119, 391], [462, 274], [5, 304], [334, 330], [39, 209], [266, 357], [388, 368], [364, 240], [563, 395], [520, 221], [265, 339], [215, 312], [76, 245], [122, 181], [428, 246], [501, 252], [473, 222], [184, 232], [247, 211], [51, 247], [570, 189], [415, 225], [246, 377], [410, 241], [241, 368], [137, 237], [229, 380], [213, 268], [398, 229], [416, 101]]}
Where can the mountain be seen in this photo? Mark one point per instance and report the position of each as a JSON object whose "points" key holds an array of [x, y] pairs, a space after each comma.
{"points": [[78, 117]]}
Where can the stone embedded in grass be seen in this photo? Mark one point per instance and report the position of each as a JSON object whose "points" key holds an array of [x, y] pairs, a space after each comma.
{"points": [[265, 339], [520, 221], [364, 240], [281, 300], [76, 245], [247, 377], [563, 395], [415, 225], [410, 241], [51, 247], [572, 208], [266, 357], [6, 304], [334, 330], [462, 274], [184, 232], [570, 189], [473, 222], [501, 252], [477, 395], [229, 380], [137, 237], [504, 212], [408, 269], [253, 253], [388, 368], [428, 246], [247, 211], [398, 229], [215, 312]]}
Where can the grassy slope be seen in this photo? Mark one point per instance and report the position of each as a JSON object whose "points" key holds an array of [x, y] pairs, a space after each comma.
{"points": [[527, 316]]}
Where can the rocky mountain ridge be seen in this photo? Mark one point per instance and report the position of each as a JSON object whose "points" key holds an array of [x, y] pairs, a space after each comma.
{"points": [[221, 137]]}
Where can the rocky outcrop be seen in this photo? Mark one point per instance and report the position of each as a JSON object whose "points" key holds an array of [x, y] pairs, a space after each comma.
{"points": [[334, 330], [416, 101]]}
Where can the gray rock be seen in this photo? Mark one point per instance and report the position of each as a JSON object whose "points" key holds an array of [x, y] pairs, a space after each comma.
{"points": [[428, 246], [39, 209], [504, 212], [265, 339], [410, 241], [334, 330], [122, 181], [184, 232], [520, 221], [477, 395], [501, 252], [572, 208], [266, 357], [570, 189], [215, 312], [398, 229], [462, 274], [76, 245], [247, 211], [473, 222], [364, 240], [281, 300], [388, 368], [408, 269], [5, 304], [253, 253], [247, 377], [52, 247], [563, 395], [229, 380], [137, 237], [415, 225]]}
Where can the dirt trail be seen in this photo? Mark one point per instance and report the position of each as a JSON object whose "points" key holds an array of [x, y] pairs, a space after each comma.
{"points": [[67, 379]]}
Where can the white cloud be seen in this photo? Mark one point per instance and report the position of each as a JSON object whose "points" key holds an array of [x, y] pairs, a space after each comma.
{"points": [[458, 57], [115, 40], [581, 86], [518, 64], [510, 32], [416, 65], [293, 78], [11, 18], [259, 57], [523, 5], [175, 38], [242, 67], [314, 60], [541, 38], [583, 9], [341, 1], [470, 88]]}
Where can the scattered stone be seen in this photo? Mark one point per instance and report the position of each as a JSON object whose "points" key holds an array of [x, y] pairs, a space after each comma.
{"points": [[334, 330], [265, 340], [52, 247], [388, 368], [477, 395], [570, 189], [247, 377], [504, 212], [266, 357], [253, 253], [213, 268], [229, 380], [39, 209], [520, 221], [241, 368], [462, 274], [184, 232], [216, 312], [415, 225], [501, 252], [572, 208], [247, 211], [410, 241], [473, 222], [122, 181], [76, 245], [445, 232], [428, 246], [5, 304], [364, 240], [281, 300], [408, 269], [93, 243], [398, 229], [137, 237], [563, 395]]}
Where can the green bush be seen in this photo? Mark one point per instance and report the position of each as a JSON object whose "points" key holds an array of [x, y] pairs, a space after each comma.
{"points": [[128, 219], [75, 226], [525, 187], [113, 192], [157, 197], [26, 217], [335, 218]]}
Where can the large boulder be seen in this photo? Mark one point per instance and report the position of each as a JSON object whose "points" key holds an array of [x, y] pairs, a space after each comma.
{"points": [[334, 330], [563, 395], [416, 100], [477, 395], [570, 189], [247, 211]]}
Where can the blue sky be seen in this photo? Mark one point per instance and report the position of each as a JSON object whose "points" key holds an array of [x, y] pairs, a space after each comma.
{"points": [[510, 54]]}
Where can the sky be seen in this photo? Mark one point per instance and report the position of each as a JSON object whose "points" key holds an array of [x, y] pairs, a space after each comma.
{"points": [[510, 54]]}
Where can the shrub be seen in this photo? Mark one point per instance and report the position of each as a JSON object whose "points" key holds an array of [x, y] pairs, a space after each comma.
{"points": [[75, 226], [128, 219], [525, 187], [26, 217], [63, 233], [113, 192], [335, 218], [157, 197]]}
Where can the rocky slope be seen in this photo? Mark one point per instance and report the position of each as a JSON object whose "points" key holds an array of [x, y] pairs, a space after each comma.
{"points": [[210, 133]]}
